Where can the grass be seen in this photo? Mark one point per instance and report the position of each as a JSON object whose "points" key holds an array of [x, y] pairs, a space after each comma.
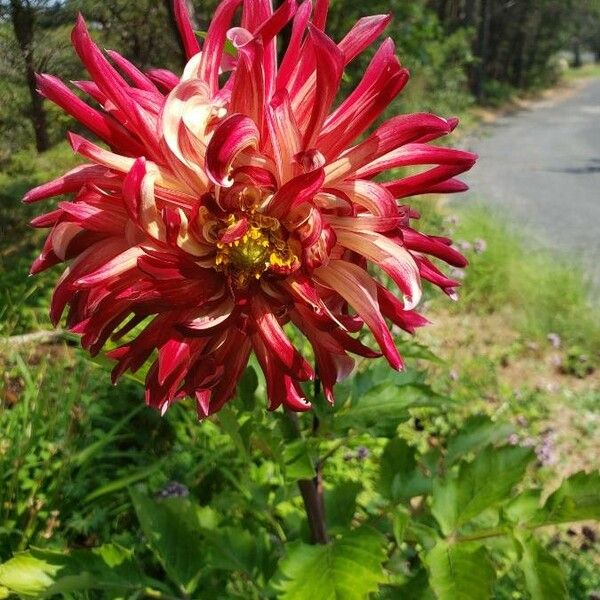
{"points": [[541, 293], [586, 71]]}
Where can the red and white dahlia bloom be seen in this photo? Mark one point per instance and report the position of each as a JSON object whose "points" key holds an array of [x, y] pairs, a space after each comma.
{"points": [[236, 199]]}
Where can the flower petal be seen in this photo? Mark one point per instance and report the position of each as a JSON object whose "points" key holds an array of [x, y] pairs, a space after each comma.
{"points": [[234, 134], [357, 287]]}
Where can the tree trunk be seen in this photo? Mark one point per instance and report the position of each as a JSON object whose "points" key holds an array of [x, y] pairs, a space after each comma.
{"points": [[577, 61], [23, 20], [482, 53]]}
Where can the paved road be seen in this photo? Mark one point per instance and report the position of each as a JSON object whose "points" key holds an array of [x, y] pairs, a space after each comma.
{"points": [[541, 166]]}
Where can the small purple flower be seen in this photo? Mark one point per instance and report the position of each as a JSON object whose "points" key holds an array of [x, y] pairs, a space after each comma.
{"points": [[554, 340], [479, 246], [173, 489], [522, 421], [362, 453]]}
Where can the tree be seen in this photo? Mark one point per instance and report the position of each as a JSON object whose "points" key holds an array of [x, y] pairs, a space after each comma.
{"points": [[23, 15]]}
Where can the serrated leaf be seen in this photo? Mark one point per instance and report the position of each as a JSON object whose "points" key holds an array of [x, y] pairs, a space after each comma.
{"points": [[385, 406], [543, 574], [348, 568], [173, 532], [481, 484], [460, 572], [41, 573], [399, 476], [522, 508], [577, 499], [475, 433], [231, 549], [296, 461], [340, 504]]}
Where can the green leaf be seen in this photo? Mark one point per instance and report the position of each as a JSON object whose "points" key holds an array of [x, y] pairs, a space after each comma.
{"points": [[230, 549], [460, 572], [229, 48], [340, 504], [400, 521], [416, 588], [247, 387], [523, 507], [41, 573], [297, 463], [543, 574], [577, 499], [385, 406], [481, 484], [30, 576], [173, 531], [399, 476], [348, 567], [124, 482], [475, 433]]}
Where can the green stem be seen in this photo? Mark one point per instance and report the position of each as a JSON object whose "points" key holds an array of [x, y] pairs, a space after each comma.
{"points": [[480, 535]]}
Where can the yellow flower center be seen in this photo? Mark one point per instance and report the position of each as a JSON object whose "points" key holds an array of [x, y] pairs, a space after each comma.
{"points": [[263, 247]]}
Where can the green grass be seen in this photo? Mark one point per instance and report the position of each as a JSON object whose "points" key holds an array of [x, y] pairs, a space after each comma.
{"points": [[542, 293], [587, 71], [24, 300]]}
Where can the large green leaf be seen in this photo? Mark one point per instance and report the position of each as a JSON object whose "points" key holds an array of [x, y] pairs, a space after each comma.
{"points": [[460, 572], [385, 406], [173, 531], [348, 568], [41, 573], [481, 484], [543, 575], [296, 461], [476, 433], [399, 476], [340, 504], [577, 499]]}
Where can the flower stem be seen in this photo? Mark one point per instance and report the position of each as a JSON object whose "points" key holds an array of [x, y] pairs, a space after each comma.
{"points": [[311, 491]]}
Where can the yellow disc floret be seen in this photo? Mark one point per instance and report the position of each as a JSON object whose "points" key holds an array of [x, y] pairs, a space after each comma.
{"points": [[261, 248]]}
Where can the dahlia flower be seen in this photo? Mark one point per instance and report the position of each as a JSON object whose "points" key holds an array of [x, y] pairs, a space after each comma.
{"points": [[241, 197]]}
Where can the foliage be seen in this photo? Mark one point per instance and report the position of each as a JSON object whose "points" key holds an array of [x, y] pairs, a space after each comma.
{"points": [[542, 293], [402, 517]]}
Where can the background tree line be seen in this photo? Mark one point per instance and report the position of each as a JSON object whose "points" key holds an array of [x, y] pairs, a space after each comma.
{"points": [[459, 50]]}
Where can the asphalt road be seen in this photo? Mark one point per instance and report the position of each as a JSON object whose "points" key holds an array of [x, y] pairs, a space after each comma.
{"points": [[540, 167]]}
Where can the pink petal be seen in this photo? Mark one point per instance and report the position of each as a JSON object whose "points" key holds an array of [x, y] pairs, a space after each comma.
{"points": [[329, 71], [234, 134], [186, 31], [70, 182], [138, 78], [362, 35], [295, 192], [369, 195], [293, 52], [394, 259], [275, 340], [212, 51], [357, 287], [102, 125], [284, 135], [418, 154]]}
